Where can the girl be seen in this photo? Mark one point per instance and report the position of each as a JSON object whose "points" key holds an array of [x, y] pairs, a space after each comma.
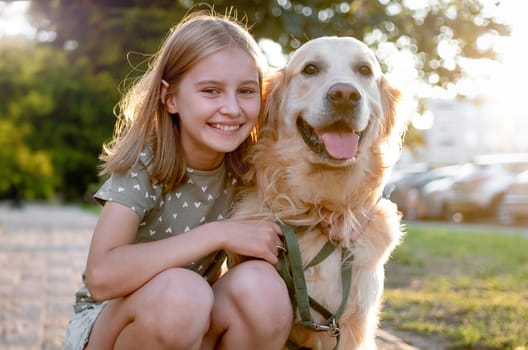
{"points": [[152, 274]]}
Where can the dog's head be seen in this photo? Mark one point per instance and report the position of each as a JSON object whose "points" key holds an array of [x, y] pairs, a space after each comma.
{"points": [[332, 99]]}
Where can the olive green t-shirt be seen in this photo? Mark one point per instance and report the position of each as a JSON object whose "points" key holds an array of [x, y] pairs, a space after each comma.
{"points": [[206, 196]]}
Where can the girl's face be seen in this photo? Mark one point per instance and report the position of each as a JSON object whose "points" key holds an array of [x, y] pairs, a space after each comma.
{"points": [[218, 101]]}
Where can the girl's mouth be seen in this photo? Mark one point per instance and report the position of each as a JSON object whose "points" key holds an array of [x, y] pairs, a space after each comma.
{"points": [[224, 127]]}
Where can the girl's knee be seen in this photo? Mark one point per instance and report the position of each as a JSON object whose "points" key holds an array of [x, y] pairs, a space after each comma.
{"points": [[179, 306], [258, 290], [258, 279], [183, 290]]}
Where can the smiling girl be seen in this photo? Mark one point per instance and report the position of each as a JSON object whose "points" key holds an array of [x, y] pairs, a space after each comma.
{"points": [[152, 278]]}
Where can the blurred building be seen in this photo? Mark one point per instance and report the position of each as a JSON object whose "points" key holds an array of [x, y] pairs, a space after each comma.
{"points": [[464, 129]]}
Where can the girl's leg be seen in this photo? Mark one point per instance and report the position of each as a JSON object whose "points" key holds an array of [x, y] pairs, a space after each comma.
{"points": [[171, 311], [252, 309]]}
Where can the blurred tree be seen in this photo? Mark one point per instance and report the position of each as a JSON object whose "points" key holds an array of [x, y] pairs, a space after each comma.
{"points": [[105, 30], [60, 111], [23, 172], [66, 84]]}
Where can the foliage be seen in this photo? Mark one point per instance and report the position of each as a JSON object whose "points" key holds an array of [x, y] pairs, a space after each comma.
{"points": [[63, 85], [61, 113], [133, 26], [20, 166], [468, 287]]}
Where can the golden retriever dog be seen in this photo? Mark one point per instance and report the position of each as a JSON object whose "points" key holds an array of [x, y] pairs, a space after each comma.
{"points": [[327, 139]]}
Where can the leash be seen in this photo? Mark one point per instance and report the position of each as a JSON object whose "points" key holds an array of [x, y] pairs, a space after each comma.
{"points": [[292, 271]]}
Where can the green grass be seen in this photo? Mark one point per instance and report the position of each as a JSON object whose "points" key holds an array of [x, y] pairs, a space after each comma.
{"points": [[471, 288]]}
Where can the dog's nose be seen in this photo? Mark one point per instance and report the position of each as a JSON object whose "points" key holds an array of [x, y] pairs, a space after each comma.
{"points": [[341, 94]]}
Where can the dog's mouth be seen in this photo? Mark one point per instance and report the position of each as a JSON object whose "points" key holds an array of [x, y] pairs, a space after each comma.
{"points": [[337, 141]]}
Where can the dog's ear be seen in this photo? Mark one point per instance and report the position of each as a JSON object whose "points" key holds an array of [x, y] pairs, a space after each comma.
{"points": [[272, 98], [394, 126], [389, 98]]}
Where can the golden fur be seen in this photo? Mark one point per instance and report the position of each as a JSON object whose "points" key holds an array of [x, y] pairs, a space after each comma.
{"points": [[336, 86]]}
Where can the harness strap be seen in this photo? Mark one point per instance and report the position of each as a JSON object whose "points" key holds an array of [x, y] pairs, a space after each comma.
{"points": [[325, 251], [293, 275], [346, 276], [292, 272], [297, 270]]}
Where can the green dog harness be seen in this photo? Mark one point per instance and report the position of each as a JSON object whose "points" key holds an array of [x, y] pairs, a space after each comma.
{"points": [[292, 271]]}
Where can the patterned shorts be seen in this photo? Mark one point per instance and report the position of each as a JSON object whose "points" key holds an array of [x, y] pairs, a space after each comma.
{"points": [[80, 327]]}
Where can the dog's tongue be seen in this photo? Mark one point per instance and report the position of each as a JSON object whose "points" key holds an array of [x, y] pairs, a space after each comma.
{"points": [[340, 145]]}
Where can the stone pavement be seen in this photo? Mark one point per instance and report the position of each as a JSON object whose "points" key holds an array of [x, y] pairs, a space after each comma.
{"points": [[42, 254]]}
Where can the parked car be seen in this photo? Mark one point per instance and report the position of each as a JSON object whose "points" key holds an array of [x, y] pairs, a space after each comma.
{"points": [[399, 188], [480, 192], [407, 189], [515, 201], [432, 200]]}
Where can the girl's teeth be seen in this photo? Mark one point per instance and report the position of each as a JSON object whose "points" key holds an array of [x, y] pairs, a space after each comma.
{"points": [[226, 127]]}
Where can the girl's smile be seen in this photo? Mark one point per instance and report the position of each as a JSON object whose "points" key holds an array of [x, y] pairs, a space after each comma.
{"points": [[226, 127]]}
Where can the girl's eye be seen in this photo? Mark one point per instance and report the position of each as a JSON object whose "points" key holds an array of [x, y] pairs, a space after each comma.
{"points": [[211, 91], [247, 91], [310, 69]]}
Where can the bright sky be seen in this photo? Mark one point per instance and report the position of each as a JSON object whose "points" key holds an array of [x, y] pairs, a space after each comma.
{"points": [[506, 76], [12, 20], [499, 82]]}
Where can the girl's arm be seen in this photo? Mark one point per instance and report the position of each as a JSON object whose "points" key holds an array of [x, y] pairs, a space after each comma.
{"points": [[116, 267]]}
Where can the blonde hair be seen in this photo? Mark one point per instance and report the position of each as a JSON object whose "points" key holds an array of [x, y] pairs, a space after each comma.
{"points": [[142, 119]]}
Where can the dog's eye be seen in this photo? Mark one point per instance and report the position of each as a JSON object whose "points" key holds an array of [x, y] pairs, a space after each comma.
{"points": [[310, 69], [365, 70]]}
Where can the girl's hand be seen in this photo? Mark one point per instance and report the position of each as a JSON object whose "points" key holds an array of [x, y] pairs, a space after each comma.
{"points": [[254, 238]]}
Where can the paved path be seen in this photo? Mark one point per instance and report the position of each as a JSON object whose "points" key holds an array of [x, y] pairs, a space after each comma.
{"points": [[42, 251], [42, 254]]}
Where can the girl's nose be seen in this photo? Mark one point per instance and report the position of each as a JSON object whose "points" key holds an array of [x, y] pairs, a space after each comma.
{"points": [[230, 105]]}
